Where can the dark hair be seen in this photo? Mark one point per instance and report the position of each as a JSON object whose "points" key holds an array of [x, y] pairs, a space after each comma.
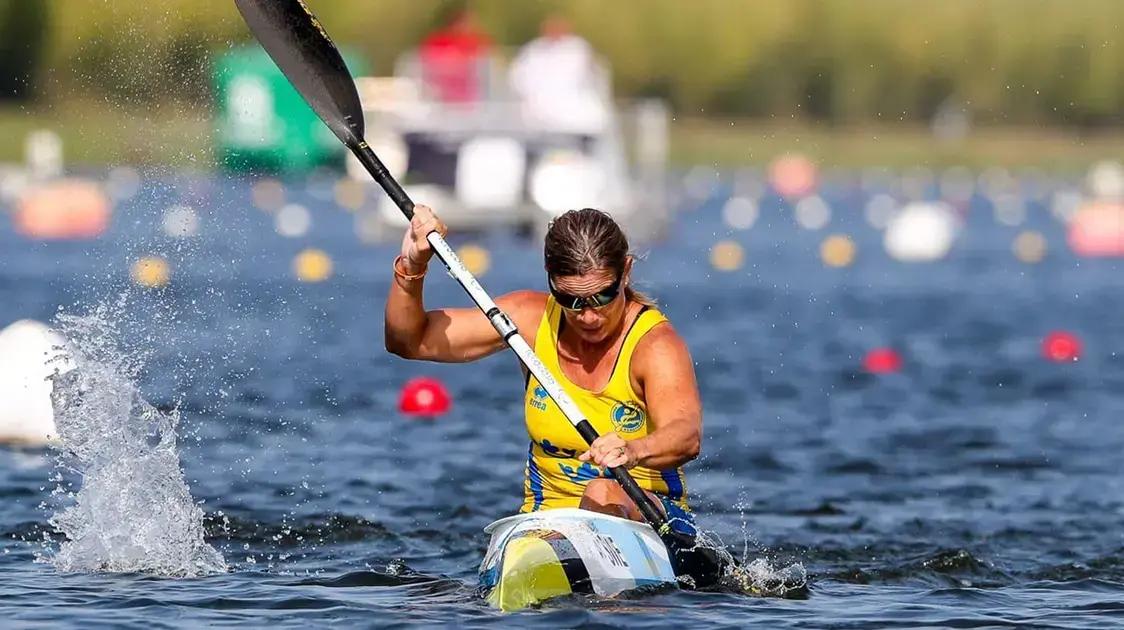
{"points": [[580, 241]]}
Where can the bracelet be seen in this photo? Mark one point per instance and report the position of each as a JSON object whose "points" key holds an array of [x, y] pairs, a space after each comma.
{"points": [[407, 276]]}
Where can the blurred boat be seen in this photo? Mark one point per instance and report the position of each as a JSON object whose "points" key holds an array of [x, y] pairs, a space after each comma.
{"points": [[536, 556], [491, 162]]}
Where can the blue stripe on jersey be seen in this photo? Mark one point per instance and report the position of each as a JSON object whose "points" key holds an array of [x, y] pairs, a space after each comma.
{"points": [[674, 480], [534, 478]]}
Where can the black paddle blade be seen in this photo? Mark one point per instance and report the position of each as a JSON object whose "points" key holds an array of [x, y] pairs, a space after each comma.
{"points": [[704, 565], [297, 43]]}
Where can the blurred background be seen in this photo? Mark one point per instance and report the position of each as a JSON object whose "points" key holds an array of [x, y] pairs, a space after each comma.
{"points": [[889, 231], [830, 74], [610, 102]]}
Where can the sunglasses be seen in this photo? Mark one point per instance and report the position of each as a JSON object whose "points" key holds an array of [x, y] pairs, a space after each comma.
{"points": [[576, 302]]}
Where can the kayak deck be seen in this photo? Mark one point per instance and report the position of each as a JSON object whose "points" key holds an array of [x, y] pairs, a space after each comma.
{"points": [[539, 555]]}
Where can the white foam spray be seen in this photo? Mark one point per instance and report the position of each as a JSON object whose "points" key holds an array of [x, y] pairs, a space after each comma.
{"points": [[760, 576], [132, 510]]}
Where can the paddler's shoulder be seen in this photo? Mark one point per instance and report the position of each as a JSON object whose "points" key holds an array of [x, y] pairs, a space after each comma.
{"points": [[524, 307], [659, 346]]}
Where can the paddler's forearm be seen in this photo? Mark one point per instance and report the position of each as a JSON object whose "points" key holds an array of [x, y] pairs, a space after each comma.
{"points": [[405, 315], [669, 446]]}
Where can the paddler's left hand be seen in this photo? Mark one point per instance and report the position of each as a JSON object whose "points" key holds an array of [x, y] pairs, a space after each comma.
{"points": [[609, 451]]}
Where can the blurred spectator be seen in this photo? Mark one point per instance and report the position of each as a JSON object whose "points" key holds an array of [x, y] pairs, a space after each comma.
{"points": [[453, 59], [556, 77]]}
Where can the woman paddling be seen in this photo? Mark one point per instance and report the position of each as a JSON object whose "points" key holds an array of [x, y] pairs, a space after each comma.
{"points": [[618, 357]]}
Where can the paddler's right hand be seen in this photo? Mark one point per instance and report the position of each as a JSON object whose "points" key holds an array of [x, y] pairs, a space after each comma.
{"points": [[416, 250]]}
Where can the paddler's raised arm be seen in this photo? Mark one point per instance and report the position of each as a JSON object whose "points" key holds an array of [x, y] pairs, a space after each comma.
{"points": [[452, 335]]}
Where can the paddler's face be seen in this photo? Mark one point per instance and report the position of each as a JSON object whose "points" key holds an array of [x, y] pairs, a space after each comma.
{"points": [[594, 324]]}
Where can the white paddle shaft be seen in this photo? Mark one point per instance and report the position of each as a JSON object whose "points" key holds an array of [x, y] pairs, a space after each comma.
{"points": [[505, 327]]}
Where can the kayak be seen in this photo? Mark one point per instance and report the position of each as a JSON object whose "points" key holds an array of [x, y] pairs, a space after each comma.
{"points": [[539, 555]]}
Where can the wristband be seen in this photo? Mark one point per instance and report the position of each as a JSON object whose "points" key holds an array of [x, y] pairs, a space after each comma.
{"points": [[407, 276]]}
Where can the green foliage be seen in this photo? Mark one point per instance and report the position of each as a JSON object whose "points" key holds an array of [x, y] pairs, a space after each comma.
{"points": [[824, 61]]}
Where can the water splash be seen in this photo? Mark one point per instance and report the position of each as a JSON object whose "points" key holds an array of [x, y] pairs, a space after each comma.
{"points": [[758, 576], [762, 578], [132, 511]]}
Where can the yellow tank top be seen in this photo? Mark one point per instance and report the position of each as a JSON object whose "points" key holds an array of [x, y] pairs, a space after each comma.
{"points": [[554, 477]]}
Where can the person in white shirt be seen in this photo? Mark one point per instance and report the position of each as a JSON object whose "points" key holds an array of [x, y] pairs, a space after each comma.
{"points": [[557, 78]]}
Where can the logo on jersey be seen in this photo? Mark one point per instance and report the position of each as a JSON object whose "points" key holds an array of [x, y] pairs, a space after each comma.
{"points": [[583, 473], [626, 418], [556, 451], [539, 400]]}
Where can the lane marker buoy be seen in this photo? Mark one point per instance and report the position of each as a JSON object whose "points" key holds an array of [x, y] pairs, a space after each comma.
{"points": [[882, 361], [312, 265], [151, 272], [424, 397], [727, 256]]}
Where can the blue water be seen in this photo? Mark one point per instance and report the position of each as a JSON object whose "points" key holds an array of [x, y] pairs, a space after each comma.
{"points": [[981, 486]]}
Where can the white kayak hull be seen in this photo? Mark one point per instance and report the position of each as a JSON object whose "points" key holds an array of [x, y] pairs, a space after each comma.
{"points": [[536, 556]]}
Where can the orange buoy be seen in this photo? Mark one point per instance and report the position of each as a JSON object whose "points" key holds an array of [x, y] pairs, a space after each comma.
{"points": [[882, 361], [66, 209], [1060, 346], [424, 396]]}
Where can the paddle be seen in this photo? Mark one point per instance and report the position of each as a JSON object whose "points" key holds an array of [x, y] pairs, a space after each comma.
{"points": [[298, 44]]}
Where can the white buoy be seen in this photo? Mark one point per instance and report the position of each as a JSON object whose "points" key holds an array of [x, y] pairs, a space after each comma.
{"points": [[921, 232], [740, 213], [1065, 204], [29, 353], [292, 221], [180, 222], [1106, 180], [812, 212], [995, 181], [1009, 209], [879, 210]]}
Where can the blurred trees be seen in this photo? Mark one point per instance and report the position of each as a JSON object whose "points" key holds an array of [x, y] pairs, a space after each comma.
{"points": [[836, 61], [138, 52], [23, 30]]}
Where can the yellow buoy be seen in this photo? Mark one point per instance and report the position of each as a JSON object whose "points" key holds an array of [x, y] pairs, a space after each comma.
{"points": [[726, 256], [1030, 247], [475, 258], [837, 250], [312, 265], [151, 272], [350, 193], [268, 194]]}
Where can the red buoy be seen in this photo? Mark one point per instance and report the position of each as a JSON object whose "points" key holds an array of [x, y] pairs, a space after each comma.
{"points": [[424, 396], [882, 361], [1060, 346]]}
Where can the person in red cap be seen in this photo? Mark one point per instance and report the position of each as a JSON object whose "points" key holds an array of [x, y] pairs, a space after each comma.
{"points": [[453, 58]]}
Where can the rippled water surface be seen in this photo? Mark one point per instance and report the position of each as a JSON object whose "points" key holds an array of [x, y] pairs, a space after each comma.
{"points": [[980, 486]]}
